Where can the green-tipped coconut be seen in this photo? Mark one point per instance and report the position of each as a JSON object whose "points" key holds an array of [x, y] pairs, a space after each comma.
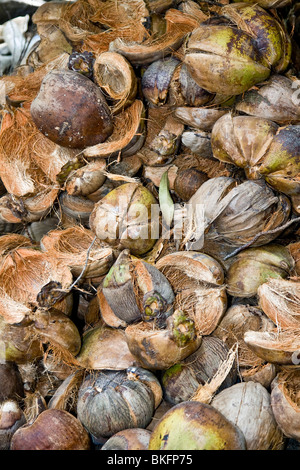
{"points": [[195, 426], [223, 59]]}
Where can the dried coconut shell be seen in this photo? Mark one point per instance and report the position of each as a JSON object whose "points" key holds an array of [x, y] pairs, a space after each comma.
{"points": [[277, 346], [126, 139], [22, 276], [115, 75], [280, 300], [285, 401]]}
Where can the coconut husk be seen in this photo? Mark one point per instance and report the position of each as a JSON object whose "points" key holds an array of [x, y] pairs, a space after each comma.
{"points": [[70, 247], [105, 348], [25, 89], [120, 20], [206, 392], [178, 25], [263, 373], [115, 75], [197, 280], [11, 242], [34, 404], [277, 346], [65, 396], [22, 147], [22, 276], [280, 300], [126, 139], [285, 401], [76, 22], [237, 320]]}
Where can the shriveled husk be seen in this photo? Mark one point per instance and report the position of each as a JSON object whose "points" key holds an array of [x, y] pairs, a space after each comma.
{"points": [[181, 381], [52, 40], [235, 213], [122, 218], [254, 143], [253, 267], [198, 142], [178, 26], [248, 406], [280, 300], [285, 402], [272, 100], [105, 348], [268, 32], [70, 247], [145, 292], [280, 346], [23, 274], [197, 281], [159, 349], [126, 140], [166, 142], [237, 320], [53, 43], [115, 75]]}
